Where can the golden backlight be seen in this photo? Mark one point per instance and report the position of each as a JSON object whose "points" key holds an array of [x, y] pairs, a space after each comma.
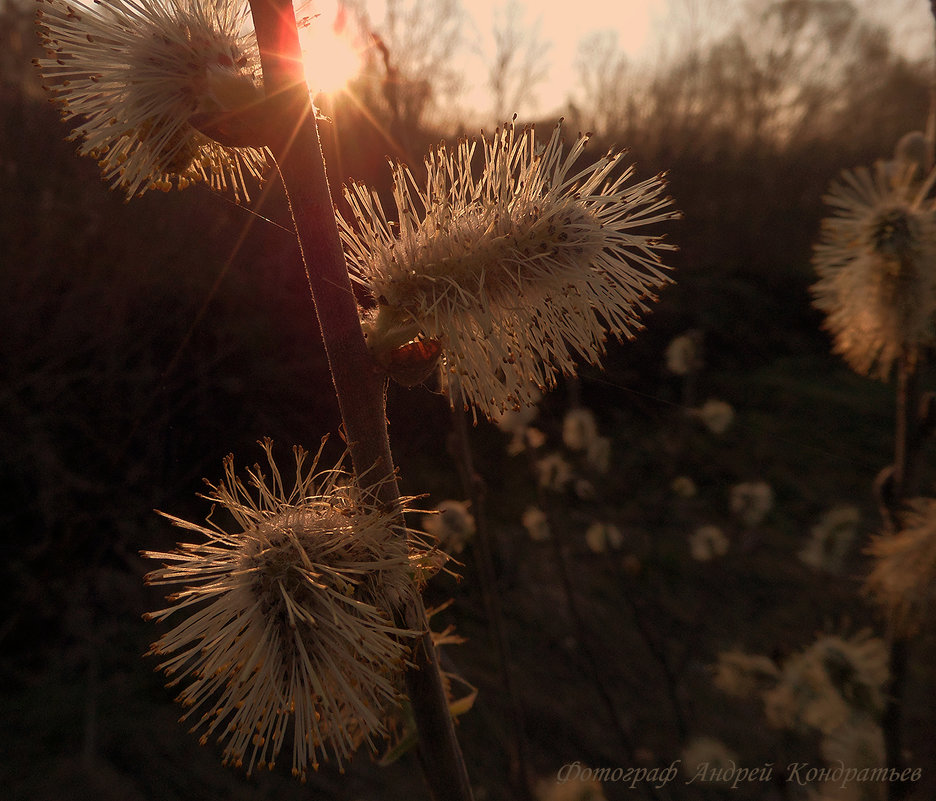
{"points": [[329, 54]]}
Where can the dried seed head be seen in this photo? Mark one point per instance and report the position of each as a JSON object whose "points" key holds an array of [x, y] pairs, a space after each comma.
{"points": [[876, 263], [132, 77], [517, 272], [825, 685], [289, 616], [903, 579]]}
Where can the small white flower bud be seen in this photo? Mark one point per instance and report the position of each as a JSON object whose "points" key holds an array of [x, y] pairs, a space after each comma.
{"points": [[708, 542], [579, 429], [716, 415], [453, 525], [536, 523], [751, 501], [684, 487], [684, 354]]}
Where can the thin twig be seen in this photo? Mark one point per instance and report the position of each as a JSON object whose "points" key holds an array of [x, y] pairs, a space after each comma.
{"points": [[474, 489], [561, 555], [670, 675]]}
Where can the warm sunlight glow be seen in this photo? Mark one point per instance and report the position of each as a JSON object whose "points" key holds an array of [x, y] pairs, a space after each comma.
{"points": [[328, 52]]}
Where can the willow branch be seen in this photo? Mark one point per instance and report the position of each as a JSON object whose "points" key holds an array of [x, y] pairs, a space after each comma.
{"points": [[900, 483], [293, 140]]}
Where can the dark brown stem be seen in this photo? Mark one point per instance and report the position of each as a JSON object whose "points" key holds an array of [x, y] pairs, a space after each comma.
{"points": [[474, 489], [892, 717], [931, 117], [902, 480], [906, 441], [914, 424], [293, 140]]}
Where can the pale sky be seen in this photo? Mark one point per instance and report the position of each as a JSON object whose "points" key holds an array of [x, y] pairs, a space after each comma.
{"points": [[562, 26], [646, 30]]}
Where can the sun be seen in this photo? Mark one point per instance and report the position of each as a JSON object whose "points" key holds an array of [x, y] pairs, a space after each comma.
{"points": [[329, 55]]}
